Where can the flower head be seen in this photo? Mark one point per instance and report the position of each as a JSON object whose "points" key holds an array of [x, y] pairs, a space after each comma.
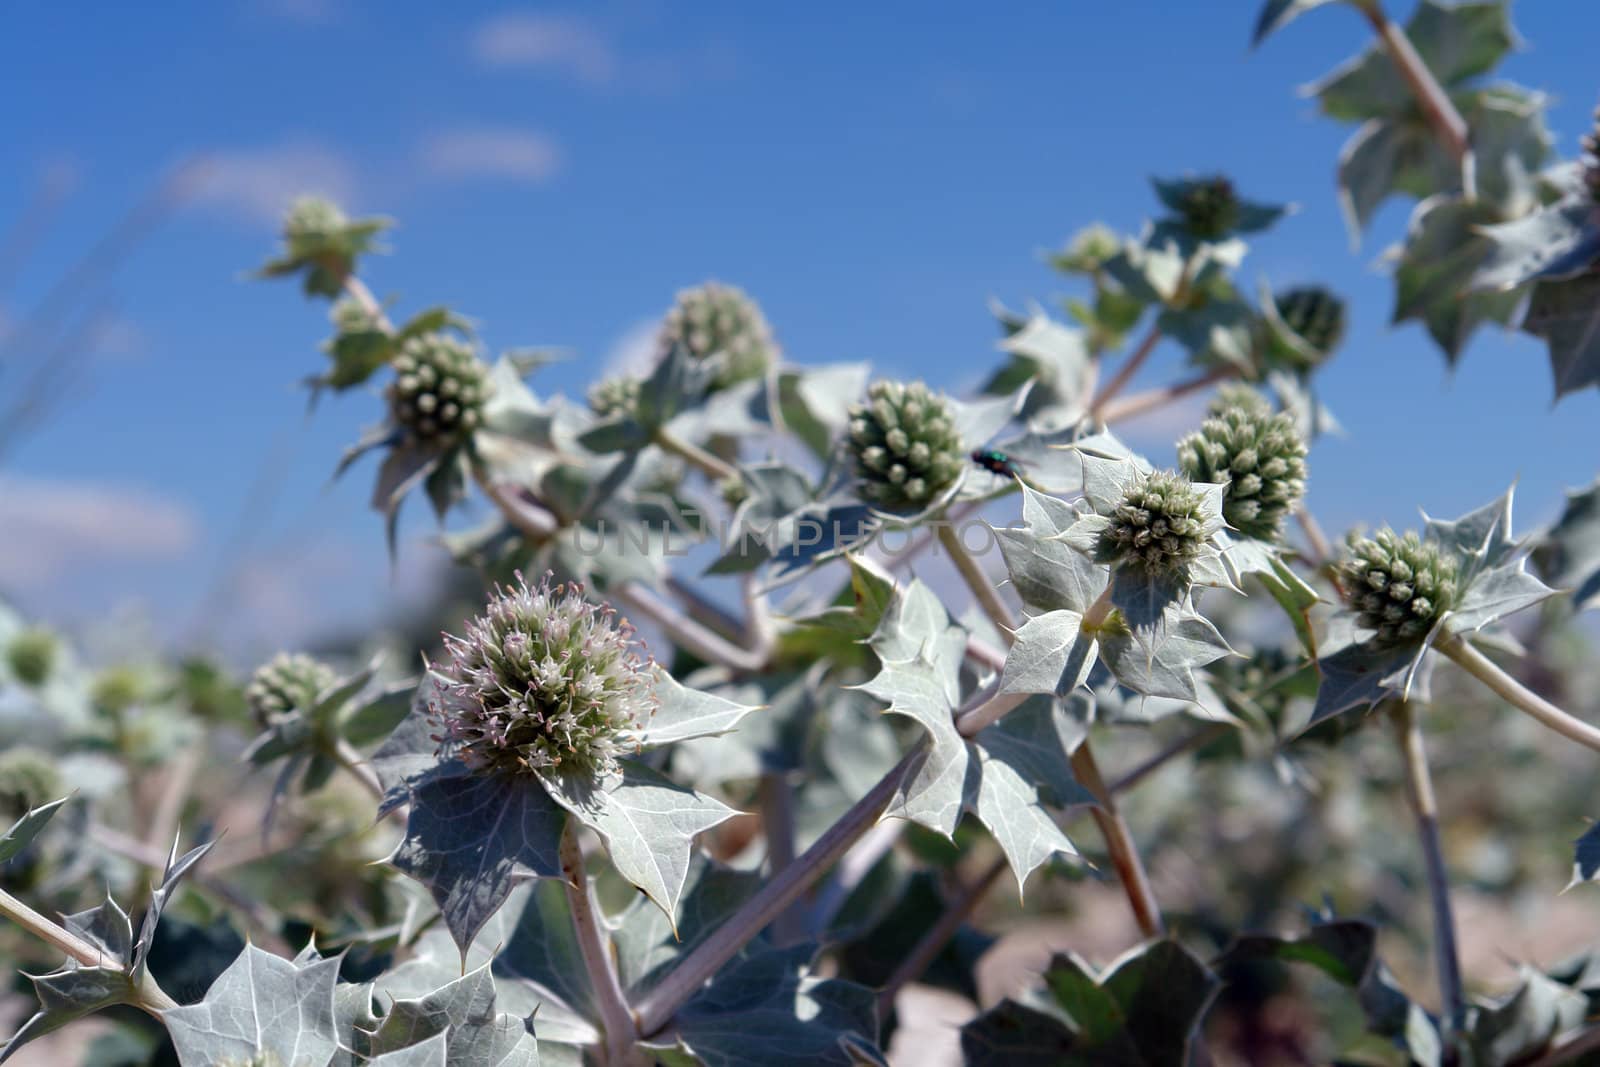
{"points": [[28, 778], [285, 683], [439, 389], [615, 397], [1159, 525], [543, 681], [313, 219], [1313, 314], [715, 318], [1259, 454], [32, 655], [905, 444], [1399, 585], [1210, 207]]}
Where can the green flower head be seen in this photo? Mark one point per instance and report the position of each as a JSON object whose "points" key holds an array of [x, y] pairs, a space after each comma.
{"points": [[1159, 525], [715, 318], [1210, 207], [350, 315], [1259, 454], [544, 681], [116, 689], [1400, 586], [905, 444], [615, 398], [28, 778], [287, 682], [1313, 314], [439, 389], [32, 655], [312, 219]]}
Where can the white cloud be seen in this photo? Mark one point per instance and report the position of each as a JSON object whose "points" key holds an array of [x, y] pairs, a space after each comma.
{"points": [[517, 155], [258, 184], [566, 44], [52, 527]]}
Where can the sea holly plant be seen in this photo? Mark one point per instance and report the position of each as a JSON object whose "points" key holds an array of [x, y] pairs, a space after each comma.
{"points": [[755, 677]]}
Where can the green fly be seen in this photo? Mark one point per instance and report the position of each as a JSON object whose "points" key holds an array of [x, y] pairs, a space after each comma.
{"points": [[995, 462]]}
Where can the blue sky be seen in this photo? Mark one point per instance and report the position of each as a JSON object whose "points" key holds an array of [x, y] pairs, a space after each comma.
{"points": [[872, 173]]}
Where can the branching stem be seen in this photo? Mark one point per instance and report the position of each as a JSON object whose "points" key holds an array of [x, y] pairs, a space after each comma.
{"points": [[1518, 695], [1119, 844], [1435, 103], [938, 936], [594, 945], [151, 996], [1143, 403], [1419, 793], [1125, 373], [655, 1011], [711, 466]]}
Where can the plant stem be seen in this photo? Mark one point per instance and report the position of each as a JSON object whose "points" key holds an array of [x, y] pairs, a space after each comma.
{"points": [[1125, 373], [151, 996], [1436, 105], [1143, 403], [1188, 743], [1119, 844], [691, 453], [656, 1009], [1119, 841], [1419, 792], [594, 945], [777, 821], [938, 936], [1518, 695], [357, 290], [530, 518], [685, 632], [346, 755], [983, 590], [1316, 539]]}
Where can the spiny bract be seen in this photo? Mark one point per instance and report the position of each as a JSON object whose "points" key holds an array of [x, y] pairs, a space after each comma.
{"points": [[32, 655], [1157, 526], [439, 388], [1399, 585], [543, 681], [615, 398], [905, 444], [715, 318], [1210, 207], [1254, 449], [1313, 314], [285, 683]]}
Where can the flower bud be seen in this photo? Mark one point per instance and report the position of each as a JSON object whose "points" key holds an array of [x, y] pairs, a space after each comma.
{"points": [[1158, 526], [1400, 586], [715, 318], [1257, 452], [615, 398], [543, 681], [905, 445], [116, 689], [32, 655], [287, 682], [1313, 314], [1210, 207], [312, 219], [439, 390], [28, 778], [352, 316]]}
